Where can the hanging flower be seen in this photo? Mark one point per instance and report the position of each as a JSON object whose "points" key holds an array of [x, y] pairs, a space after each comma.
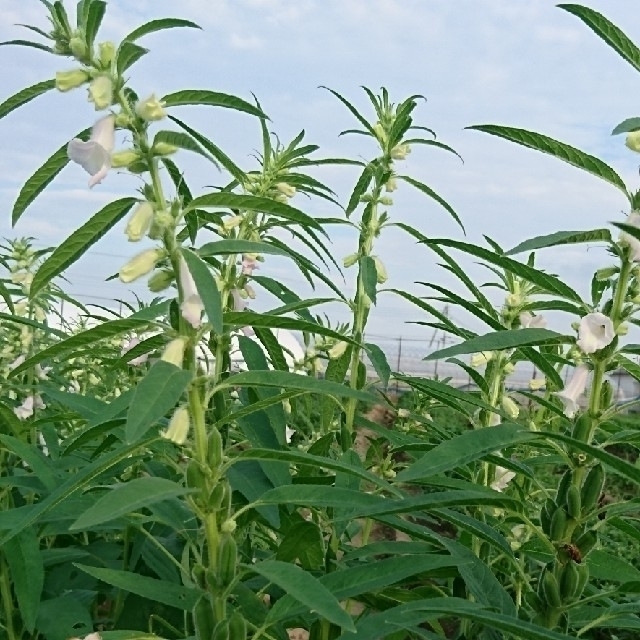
{"points": [[535, 384], [139, 222], [191, 307], [140, 265], [502, 479], [151, 109], [178, 428], [130, 344], [573, 390], [101, 92], [174, 352], [595, 332], [94, 156], [633, 220], [482, 358], [529, 321], [510, 407], [249, 263], [68, 80], [27, 408]]}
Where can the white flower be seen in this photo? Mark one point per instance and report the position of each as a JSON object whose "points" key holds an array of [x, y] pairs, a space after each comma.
{"points": [[130, 344], [633, 220], [27, 408], [17, 362], [595, 332], [94, 156], [191, 307], [288, 434], [249, 264], [573, 390], [535, 384], [510, 407], [178, 428], [529, 321], [502, 478], [42, 373], [480, 359]]}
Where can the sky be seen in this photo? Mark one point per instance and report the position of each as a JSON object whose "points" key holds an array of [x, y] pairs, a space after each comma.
{"points": [[510, 62]]}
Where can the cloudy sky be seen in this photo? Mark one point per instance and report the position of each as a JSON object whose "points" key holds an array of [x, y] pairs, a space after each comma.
{"points": [[511, 62]]}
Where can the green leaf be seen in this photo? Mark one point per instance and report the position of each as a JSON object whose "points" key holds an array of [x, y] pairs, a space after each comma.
{"points": [[544, 280], [360, 189], [31, 455], [23, 556], [212, 99], [561, 238], [229, 246], [253, 203], [64, 617], [305, 589], [630, 124], [559, 150], [606, 566], [27, 43], [173, 595], [215, 151], [24, 96], [465, 448], [432, 194], [158, 25], [155, 395], [79, 242], [36, 183], [180, 140], [353, 110], [608, 31], [628, 228], [127, 497], [369, 276], [303, 542], [95, 14], [379, 362], [207, 288], [128, 54], [10, 424], [499, 340]]}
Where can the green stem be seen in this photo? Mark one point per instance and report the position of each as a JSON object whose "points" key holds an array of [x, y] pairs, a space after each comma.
{"points": [[7, 599]]}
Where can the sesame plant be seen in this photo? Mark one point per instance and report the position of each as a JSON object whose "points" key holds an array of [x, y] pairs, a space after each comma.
{"points": [[181, 472]]}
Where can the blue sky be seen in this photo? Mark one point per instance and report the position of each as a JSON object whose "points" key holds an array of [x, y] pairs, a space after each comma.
{"points": [[526, 64]]}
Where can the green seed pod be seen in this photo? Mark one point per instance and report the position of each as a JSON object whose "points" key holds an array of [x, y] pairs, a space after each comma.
{"points": [[592, 488], [582, 428], [606, 395], [221, 632], [551, 590], [203, 619], [195, 478], [198, 575], [586, 542], [558, 525], [583, 578], [573, 501], [214, 449], [569, 581], [563, 487], [534, 601], [217, 495], [237, 627], [227, 559]]}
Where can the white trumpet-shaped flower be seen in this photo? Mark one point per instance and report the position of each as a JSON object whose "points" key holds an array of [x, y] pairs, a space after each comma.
{"points": [[191, 307], [573, 390], [27, 408], [502, 479], [94, 156], [529, 321], [633, 220], [595, 332]]}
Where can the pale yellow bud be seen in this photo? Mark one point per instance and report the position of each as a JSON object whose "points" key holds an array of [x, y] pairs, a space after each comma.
{"points": [[386, 201], [633, 141], [338, 350], [40, 314], [174, 352], [178, 428], [123, 120], [286, 189], [482, 358], [400, 151], [232, 222], [78, 46], [151, 109], [20, 308], [68, 80], [510, 407], [106, 53], [124, 158], [381, 272], [622, 329], [391, 185], [514, 300], [163, 149], [509, 368], [160, 280], [139, 222], [350, 260], [101, 92], [535, 384], [379, 131], [228, 526], [140, 265]]}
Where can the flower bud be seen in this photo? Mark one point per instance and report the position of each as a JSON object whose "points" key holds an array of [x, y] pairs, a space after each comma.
{"points": [[178, 428], [228, 526], [391, 185], [622, 329], [535, 384], [386, 200], [513, 300], [232, 222], [139, 222], [633, 141], [380, 132], [338, 350], [78, 46], [250, 292], [174, 352], [509, 368], [482, 358], [150, 109], [606, 273], [163, 149], [162, 220], [140, 265], [400, 151], [106, 53], [159, 281], [67, 80], [286, 189], [381, 272], [124, 158], [101, 92], [510, 407], [123, 120], [350, 260]]}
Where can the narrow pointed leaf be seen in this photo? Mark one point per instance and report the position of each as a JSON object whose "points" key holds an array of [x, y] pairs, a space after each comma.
{"points": [[353, 110], [27, 43], [229, 246], [95, 14], [561, 238], [212, 99], [557, 149], [379, 362], [207, 288], [369, 277], [36, 183], [128, 54], [156, 394], [78, 243], [180, 140], [432, 194], [24, 96], [630, 124], [158, 25]]}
